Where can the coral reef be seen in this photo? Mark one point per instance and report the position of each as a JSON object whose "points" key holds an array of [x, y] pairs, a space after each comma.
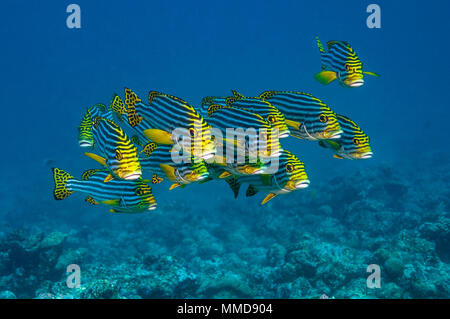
{"points": [[317, 243]]}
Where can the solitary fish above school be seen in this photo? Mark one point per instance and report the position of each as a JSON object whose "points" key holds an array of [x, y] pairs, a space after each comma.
{"points": [[124, 196], [85, 135], [119, 154], [289, 176], [353, 144], [166, 113], [307, 116], [341, 62]]}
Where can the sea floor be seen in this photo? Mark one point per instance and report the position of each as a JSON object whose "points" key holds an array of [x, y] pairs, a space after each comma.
{"points": [[318, 243]]}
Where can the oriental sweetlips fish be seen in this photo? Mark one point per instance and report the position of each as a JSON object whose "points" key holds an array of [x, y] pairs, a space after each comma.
{"points": [[180, 169], [255, 105], [341, 62], [253, 134], [124, 196], [353, 144], [289, 176], [166, 113], [85, 135], [307, 116], [120, 154]]}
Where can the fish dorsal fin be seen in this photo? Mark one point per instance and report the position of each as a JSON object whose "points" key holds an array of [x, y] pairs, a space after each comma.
{"points": [[91, 201], [319, 44], [213, 108], [96, 158], [89, 173], [267, 94], [236, 97], [268, 197], [152, 95], [234, 185], [156, 179], [169, 171], [149, 148], [251, 190], [332, 43], [117, 105], [131, 99]]}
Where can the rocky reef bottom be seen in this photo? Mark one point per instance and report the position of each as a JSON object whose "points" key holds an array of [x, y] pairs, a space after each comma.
{"points": [[316, 243]]}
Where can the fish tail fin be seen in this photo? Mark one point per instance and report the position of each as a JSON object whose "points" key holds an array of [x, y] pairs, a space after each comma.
{"points": [[325, 77], [234, 185], [60, 178], [131, 100]]}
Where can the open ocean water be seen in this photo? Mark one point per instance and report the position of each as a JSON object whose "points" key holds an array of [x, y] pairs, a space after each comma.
{"points": [[390, 211]]}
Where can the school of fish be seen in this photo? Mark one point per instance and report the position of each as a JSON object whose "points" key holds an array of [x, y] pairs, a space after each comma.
{"points": [[235, 138]]}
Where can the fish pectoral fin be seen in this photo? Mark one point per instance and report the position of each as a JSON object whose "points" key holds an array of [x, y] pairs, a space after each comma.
{"points": [[225, 175], [174, 185], [158, 136], [96, 158], [325, 77], [108, 178], [293, 124], [112, 202], [372, 73], [337, 156], [169, 171], [268, 198]]}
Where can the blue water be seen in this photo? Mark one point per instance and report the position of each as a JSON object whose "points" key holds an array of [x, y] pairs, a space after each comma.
{"points": [[50, 74]]}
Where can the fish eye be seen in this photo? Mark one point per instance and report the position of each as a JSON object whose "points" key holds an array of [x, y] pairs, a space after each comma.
{"points": [[192, 132], [118, 155], [356, 141], [271, 119], [289, 168], [323, 118]]}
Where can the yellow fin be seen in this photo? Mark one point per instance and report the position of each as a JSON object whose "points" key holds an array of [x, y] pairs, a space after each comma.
{"points": [[372, 73], [96, 158], [169, 171], [325, 77], [158, 136], [174, 185], [90, 200], [337, 156], [156, 179], [293, 124], [268, 197], [225, 175], [108, 178], [113, 202]]}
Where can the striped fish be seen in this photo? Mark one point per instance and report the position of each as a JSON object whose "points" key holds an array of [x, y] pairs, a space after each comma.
{"points": [[353, 144], [125, 196], [263, 108], [289, 176], [120, 154], [341, 62], [307, 116], [252, 133], [207, 101], [165, 113], [85, 136], [181, 169]]}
